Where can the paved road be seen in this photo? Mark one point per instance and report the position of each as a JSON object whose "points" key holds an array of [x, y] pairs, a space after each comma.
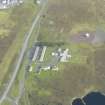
{"points": [[22, 53]]}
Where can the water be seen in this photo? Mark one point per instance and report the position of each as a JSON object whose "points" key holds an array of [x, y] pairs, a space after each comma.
{"points": [[93, 98], [77, 102]]}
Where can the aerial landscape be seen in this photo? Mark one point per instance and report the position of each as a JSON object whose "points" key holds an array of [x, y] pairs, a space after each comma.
{"points": [[52, 52]]}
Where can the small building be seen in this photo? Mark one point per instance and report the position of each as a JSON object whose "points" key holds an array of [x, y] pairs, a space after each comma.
{"points": [[38, 53], [38, 1], [9, 3], [40, 68], [63, 54], [51, 65]]}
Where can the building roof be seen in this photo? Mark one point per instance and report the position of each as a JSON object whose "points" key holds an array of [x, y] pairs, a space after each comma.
{"points": [[9, 3]]}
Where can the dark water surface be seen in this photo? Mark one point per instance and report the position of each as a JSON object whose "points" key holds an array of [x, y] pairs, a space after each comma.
{"points": [[77, 102], [93, 98]]}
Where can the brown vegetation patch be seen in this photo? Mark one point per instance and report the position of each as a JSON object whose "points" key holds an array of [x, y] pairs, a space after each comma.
{"points": [[82, 38], [5, 43]]}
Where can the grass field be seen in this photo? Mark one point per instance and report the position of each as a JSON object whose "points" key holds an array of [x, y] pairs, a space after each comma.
{"points": [[63, 19], [6, 24], [66, 18], [85, 70], [22, 16]]}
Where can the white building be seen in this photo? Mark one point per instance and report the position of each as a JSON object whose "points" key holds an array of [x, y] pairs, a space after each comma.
{"points": [[9, 3], [38, 2], [64, 55]]}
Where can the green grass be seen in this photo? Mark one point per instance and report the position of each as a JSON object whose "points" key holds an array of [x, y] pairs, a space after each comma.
{"points": [[91, 27], [79, 52], [22, 27], [47, 74], [76, 74], [4, 32], [6, 103], [6, 24], [32, 85], [78, 16], [44, 92], [3, 16], [48, 53], [14, 90]]}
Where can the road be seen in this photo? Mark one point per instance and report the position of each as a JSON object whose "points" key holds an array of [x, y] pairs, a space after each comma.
{"points": [[22, 81], [24, 47]]}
